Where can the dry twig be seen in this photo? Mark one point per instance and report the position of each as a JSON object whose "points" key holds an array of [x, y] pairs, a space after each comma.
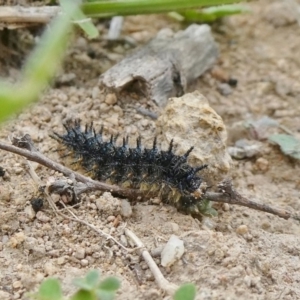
{"points": [[161, 281], [226, 193], [37, 181], [17, 16]]}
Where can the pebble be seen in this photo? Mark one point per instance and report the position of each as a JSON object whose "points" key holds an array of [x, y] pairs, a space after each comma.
{"points": [[156, 252], [29, 212], [118, 110], [126, 210], [4, 295], [262, 164], [110, 219], [144, 122], [113, 120], [226, 207], [84, 262], [42, 217], [123, 240], [280, 13], [30, 243], [170, 227], [48, 245], [244, 149], [16, 296], [103, 108], [92, 198], [53, 253], [208, 223], [17, 239], [224, 89], [263, 88], [49, 268], [80, 253], [18, 171], [62, 97], [242, 229], [17, 284], [173, 251], [219, 255], [61, 260], [220, 74], [5, 193], [111, 99], [95, 92], [66, 78]]}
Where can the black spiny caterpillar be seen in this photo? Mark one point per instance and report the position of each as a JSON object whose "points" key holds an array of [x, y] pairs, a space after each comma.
{"points": [[161, 172]]}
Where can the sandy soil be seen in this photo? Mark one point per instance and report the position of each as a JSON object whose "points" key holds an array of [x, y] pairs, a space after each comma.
{"points": [[224, 258]]}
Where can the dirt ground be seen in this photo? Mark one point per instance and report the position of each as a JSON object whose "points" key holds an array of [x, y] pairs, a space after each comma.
{"points": [[224, 258]]}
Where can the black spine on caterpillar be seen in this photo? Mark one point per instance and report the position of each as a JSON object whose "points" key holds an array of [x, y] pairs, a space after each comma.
{"points": [[152, 169]]}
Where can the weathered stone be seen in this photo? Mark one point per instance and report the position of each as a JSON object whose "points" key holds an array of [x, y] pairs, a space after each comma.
{"points": [[191, 122]]}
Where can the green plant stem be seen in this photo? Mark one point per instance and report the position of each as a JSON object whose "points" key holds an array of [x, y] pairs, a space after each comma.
{"points": [[131, 7]]}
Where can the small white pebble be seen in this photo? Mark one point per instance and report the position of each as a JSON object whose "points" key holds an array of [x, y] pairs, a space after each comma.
{"points": [[18, 171], [173, 251], [225, 206], [126, 210], [95, 92], [242, 229], [84, 262]]}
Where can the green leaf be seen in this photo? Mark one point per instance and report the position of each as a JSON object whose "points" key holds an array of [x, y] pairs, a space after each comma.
{"points": [[92, 277], [185, 292], [211, 14], [105, 295], [84, 295], [288, 144], [132, 7], [82, 284], [50, 289], [81, 20], [89, 282], [109, 284], [206, 209]]}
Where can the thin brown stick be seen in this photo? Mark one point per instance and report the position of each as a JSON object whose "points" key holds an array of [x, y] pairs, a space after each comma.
{"points": [[226, 193], [19, 16], [37, 181], [240, 200], [91, 185], [161, 281]]}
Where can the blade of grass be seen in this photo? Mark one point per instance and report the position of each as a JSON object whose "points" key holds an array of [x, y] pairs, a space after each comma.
{"points": [[132, 7], [40, 67], [211, 14], [81, 20]]}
